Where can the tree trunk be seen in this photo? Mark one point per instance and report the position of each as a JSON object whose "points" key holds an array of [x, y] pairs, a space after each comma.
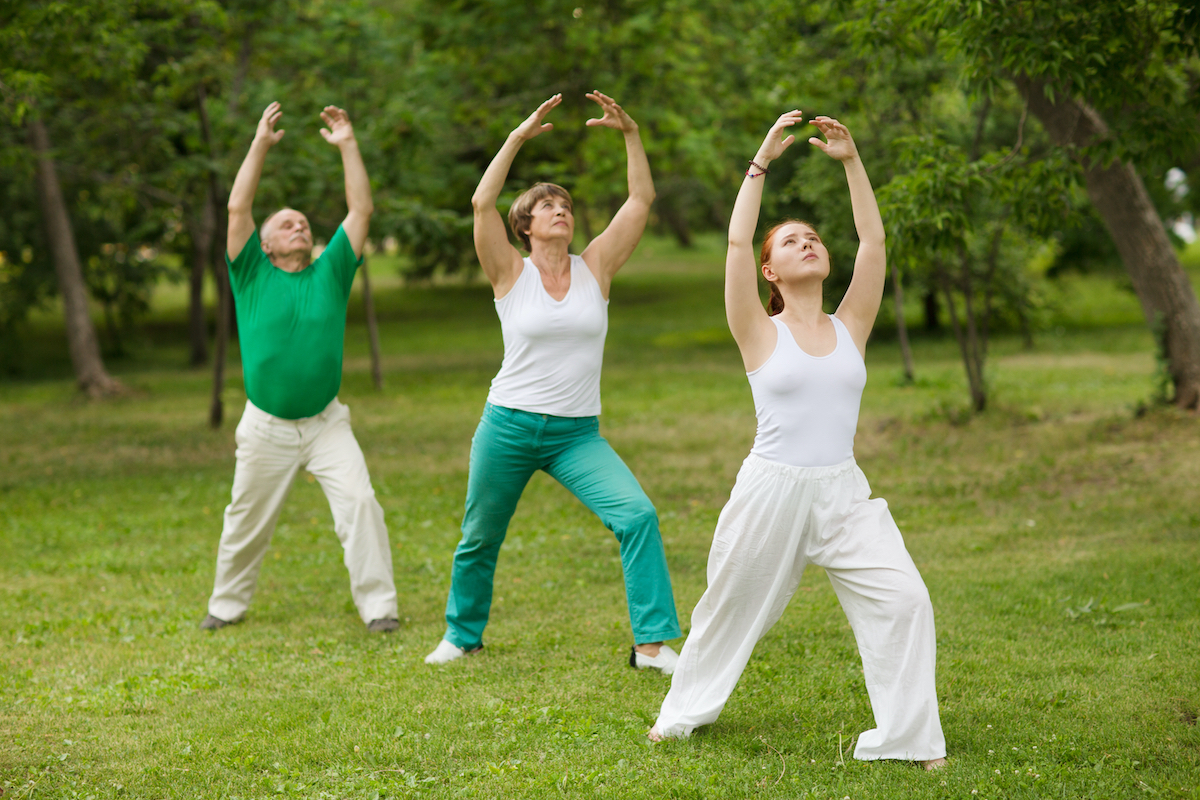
{"points": [[202, 230], [216, 410], [372, 326], [1120, 196], [901, 327], [81, 333], [933, 320], [974, 376]]}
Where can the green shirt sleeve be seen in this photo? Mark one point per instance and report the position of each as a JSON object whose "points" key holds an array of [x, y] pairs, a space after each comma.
{"points": [[242, 267], [339, 255]]}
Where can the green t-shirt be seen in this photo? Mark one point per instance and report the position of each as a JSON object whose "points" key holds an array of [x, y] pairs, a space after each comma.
{"points": [[292, 326]]}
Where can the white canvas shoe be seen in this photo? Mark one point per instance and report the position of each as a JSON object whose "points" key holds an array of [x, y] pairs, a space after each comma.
{"points": [[664, 662], [446, 652]]}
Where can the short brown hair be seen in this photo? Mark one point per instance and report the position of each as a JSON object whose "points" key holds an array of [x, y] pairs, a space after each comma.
{"points": [[521, 213], [775, 302]]}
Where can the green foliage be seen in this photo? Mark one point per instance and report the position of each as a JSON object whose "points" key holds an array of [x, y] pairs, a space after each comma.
{"points": [[151, 105]]}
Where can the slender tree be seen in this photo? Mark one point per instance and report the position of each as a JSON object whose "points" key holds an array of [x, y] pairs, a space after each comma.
{"points": [[82, 343]]}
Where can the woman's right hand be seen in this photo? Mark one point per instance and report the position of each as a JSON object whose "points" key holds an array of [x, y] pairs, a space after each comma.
{"points": [[533, 124], [775, 143]]}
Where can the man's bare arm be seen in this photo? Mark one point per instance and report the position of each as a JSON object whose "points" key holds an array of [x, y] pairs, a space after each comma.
{"points": [[245, 186], [358, 185]]}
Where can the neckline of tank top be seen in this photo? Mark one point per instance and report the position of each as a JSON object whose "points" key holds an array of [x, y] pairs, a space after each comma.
{"points": [[529, 263], [779, 323]]}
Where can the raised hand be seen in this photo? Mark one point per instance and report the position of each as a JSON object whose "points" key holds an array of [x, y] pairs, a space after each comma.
{"points": [[614, 115], [266, 124], [533, 124], [340, 131], [775, 143], [838, 144]]}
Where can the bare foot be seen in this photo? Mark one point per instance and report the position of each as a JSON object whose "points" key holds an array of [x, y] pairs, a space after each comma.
{"points": [[650, 650], [655, 735], [933, 763]]}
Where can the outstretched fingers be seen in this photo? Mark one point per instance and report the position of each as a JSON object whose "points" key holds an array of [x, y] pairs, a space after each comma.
{"points": [[340, 130], [544, 109], [614, 116], [776, 141], [838, 143], [533, 124], [334, 116], [266, 124]]}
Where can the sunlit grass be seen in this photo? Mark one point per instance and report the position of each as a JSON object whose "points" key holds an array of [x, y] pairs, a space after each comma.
{"points": [[1058, 534]]}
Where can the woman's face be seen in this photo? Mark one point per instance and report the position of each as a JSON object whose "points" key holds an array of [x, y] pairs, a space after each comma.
{"points": [[797, 254], [552, 218]]}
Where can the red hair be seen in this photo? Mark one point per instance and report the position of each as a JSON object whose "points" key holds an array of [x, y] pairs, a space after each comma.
{"points": [[775, 301]]}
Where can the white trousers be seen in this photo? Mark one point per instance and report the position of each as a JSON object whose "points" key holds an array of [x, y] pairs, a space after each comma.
{"points": [[779, 519], [270, 451]]}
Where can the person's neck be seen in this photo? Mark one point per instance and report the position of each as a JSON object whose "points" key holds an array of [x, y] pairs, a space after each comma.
{"points": [[292, 262], [803, 303], [552, 256]]}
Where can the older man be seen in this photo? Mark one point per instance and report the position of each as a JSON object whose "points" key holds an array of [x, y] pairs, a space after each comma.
{"points": [[291, 314]]}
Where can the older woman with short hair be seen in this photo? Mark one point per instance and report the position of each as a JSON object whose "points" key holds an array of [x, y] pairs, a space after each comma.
{"points": [[542, 410]]}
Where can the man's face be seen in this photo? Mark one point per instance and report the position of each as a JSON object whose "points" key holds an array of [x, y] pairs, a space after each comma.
{"points": [[287, 234]]}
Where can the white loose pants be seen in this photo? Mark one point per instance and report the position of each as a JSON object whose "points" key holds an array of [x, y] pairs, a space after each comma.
{"points": [[779, 519], [270, 451]]}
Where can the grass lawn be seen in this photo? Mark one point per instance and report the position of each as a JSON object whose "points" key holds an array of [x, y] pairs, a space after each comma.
{"points": [[1059, 535]]}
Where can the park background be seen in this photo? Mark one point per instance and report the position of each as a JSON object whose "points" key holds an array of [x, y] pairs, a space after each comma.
{"points": [[1029, 412]]}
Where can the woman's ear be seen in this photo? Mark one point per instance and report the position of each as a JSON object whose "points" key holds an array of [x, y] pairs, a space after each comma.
{"points": [[768, 273]]}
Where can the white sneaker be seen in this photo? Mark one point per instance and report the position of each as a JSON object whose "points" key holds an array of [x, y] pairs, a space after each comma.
{"points": [[446, 652], [664, 662]]}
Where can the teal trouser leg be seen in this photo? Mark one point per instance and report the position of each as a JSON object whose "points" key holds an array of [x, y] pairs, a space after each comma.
{"points": [[502, 462], [508, 447], [594, 473]]}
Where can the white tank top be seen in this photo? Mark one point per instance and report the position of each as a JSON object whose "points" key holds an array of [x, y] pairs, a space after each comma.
{"points": [[807, 407], [553, 349]]}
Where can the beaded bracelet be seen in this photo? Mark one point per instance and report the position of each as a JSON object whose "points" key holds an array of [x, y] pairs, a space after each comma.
{"points": [[752, 164]]}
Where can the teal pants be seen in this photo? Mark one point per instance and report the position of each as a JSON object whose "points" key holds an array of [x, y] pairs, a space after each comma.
{"points": [[509, 446]]}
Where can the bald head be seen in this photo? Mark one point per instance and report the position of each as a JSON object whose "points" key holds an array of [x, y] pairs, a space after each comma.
{"points": [[286, 235]]}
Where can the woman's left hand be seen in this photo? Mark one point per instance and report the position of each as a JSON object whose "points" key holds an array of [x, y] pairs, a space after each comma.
{"points": [[838, 144], [614, 115]]}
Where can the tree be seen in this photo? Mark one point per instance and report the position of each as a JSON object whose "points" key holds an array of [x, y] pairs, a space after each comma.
{"points": [[1114, 86], [38, 40]]}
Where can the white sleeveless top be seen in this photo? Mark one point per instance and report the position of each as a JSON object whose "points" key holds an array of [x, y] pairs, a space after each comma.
{"points": [[807, 407], [553, 349]]}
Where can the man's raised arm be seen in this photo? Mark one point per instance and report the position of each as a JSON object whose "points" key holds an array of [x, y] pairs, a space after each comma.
{"points": [[358, 185], [241, 196]]}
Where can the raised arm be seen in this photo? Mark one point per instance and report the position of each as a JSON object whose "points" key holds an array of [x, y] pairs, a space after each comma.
{"points": [[860, 306], [609, 251], [245, 185], [501, 261], [359, 205], [748, 321]]}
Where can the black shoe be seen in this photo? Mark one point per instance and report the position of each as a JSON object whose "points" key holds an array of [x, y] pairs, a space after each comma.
{"points": [[212, 623], [383, 625]]}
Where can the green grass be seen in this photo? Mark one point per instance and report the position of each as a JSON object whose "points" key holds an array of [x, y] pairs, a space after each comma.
{"points": [[1058, 533]]}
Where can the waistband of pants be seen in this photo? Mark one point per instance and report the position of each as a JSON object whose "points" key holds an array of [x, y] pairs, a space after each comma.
{"points": [[760, 464], [518, 416], [257, 413]]}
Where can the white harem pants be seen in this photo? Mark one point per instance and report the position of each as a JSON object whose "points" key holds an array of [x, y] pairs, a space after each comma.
{"points": [[779, 519], [270, 451]]}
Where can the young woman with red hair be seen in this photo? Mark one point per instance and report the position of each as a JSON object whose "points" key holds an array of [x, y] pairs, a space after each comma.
{"points": [[799, 497]]}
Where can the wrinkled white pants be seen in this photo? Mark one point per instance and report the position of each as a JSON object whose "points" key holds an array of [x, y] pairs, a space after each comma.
{"points": [[270, 451], [779, 519]]}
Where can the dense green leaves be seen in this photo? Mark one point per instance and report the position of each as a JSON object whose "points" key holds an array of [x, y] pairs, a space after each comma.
{"points": [[151, 104]]}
